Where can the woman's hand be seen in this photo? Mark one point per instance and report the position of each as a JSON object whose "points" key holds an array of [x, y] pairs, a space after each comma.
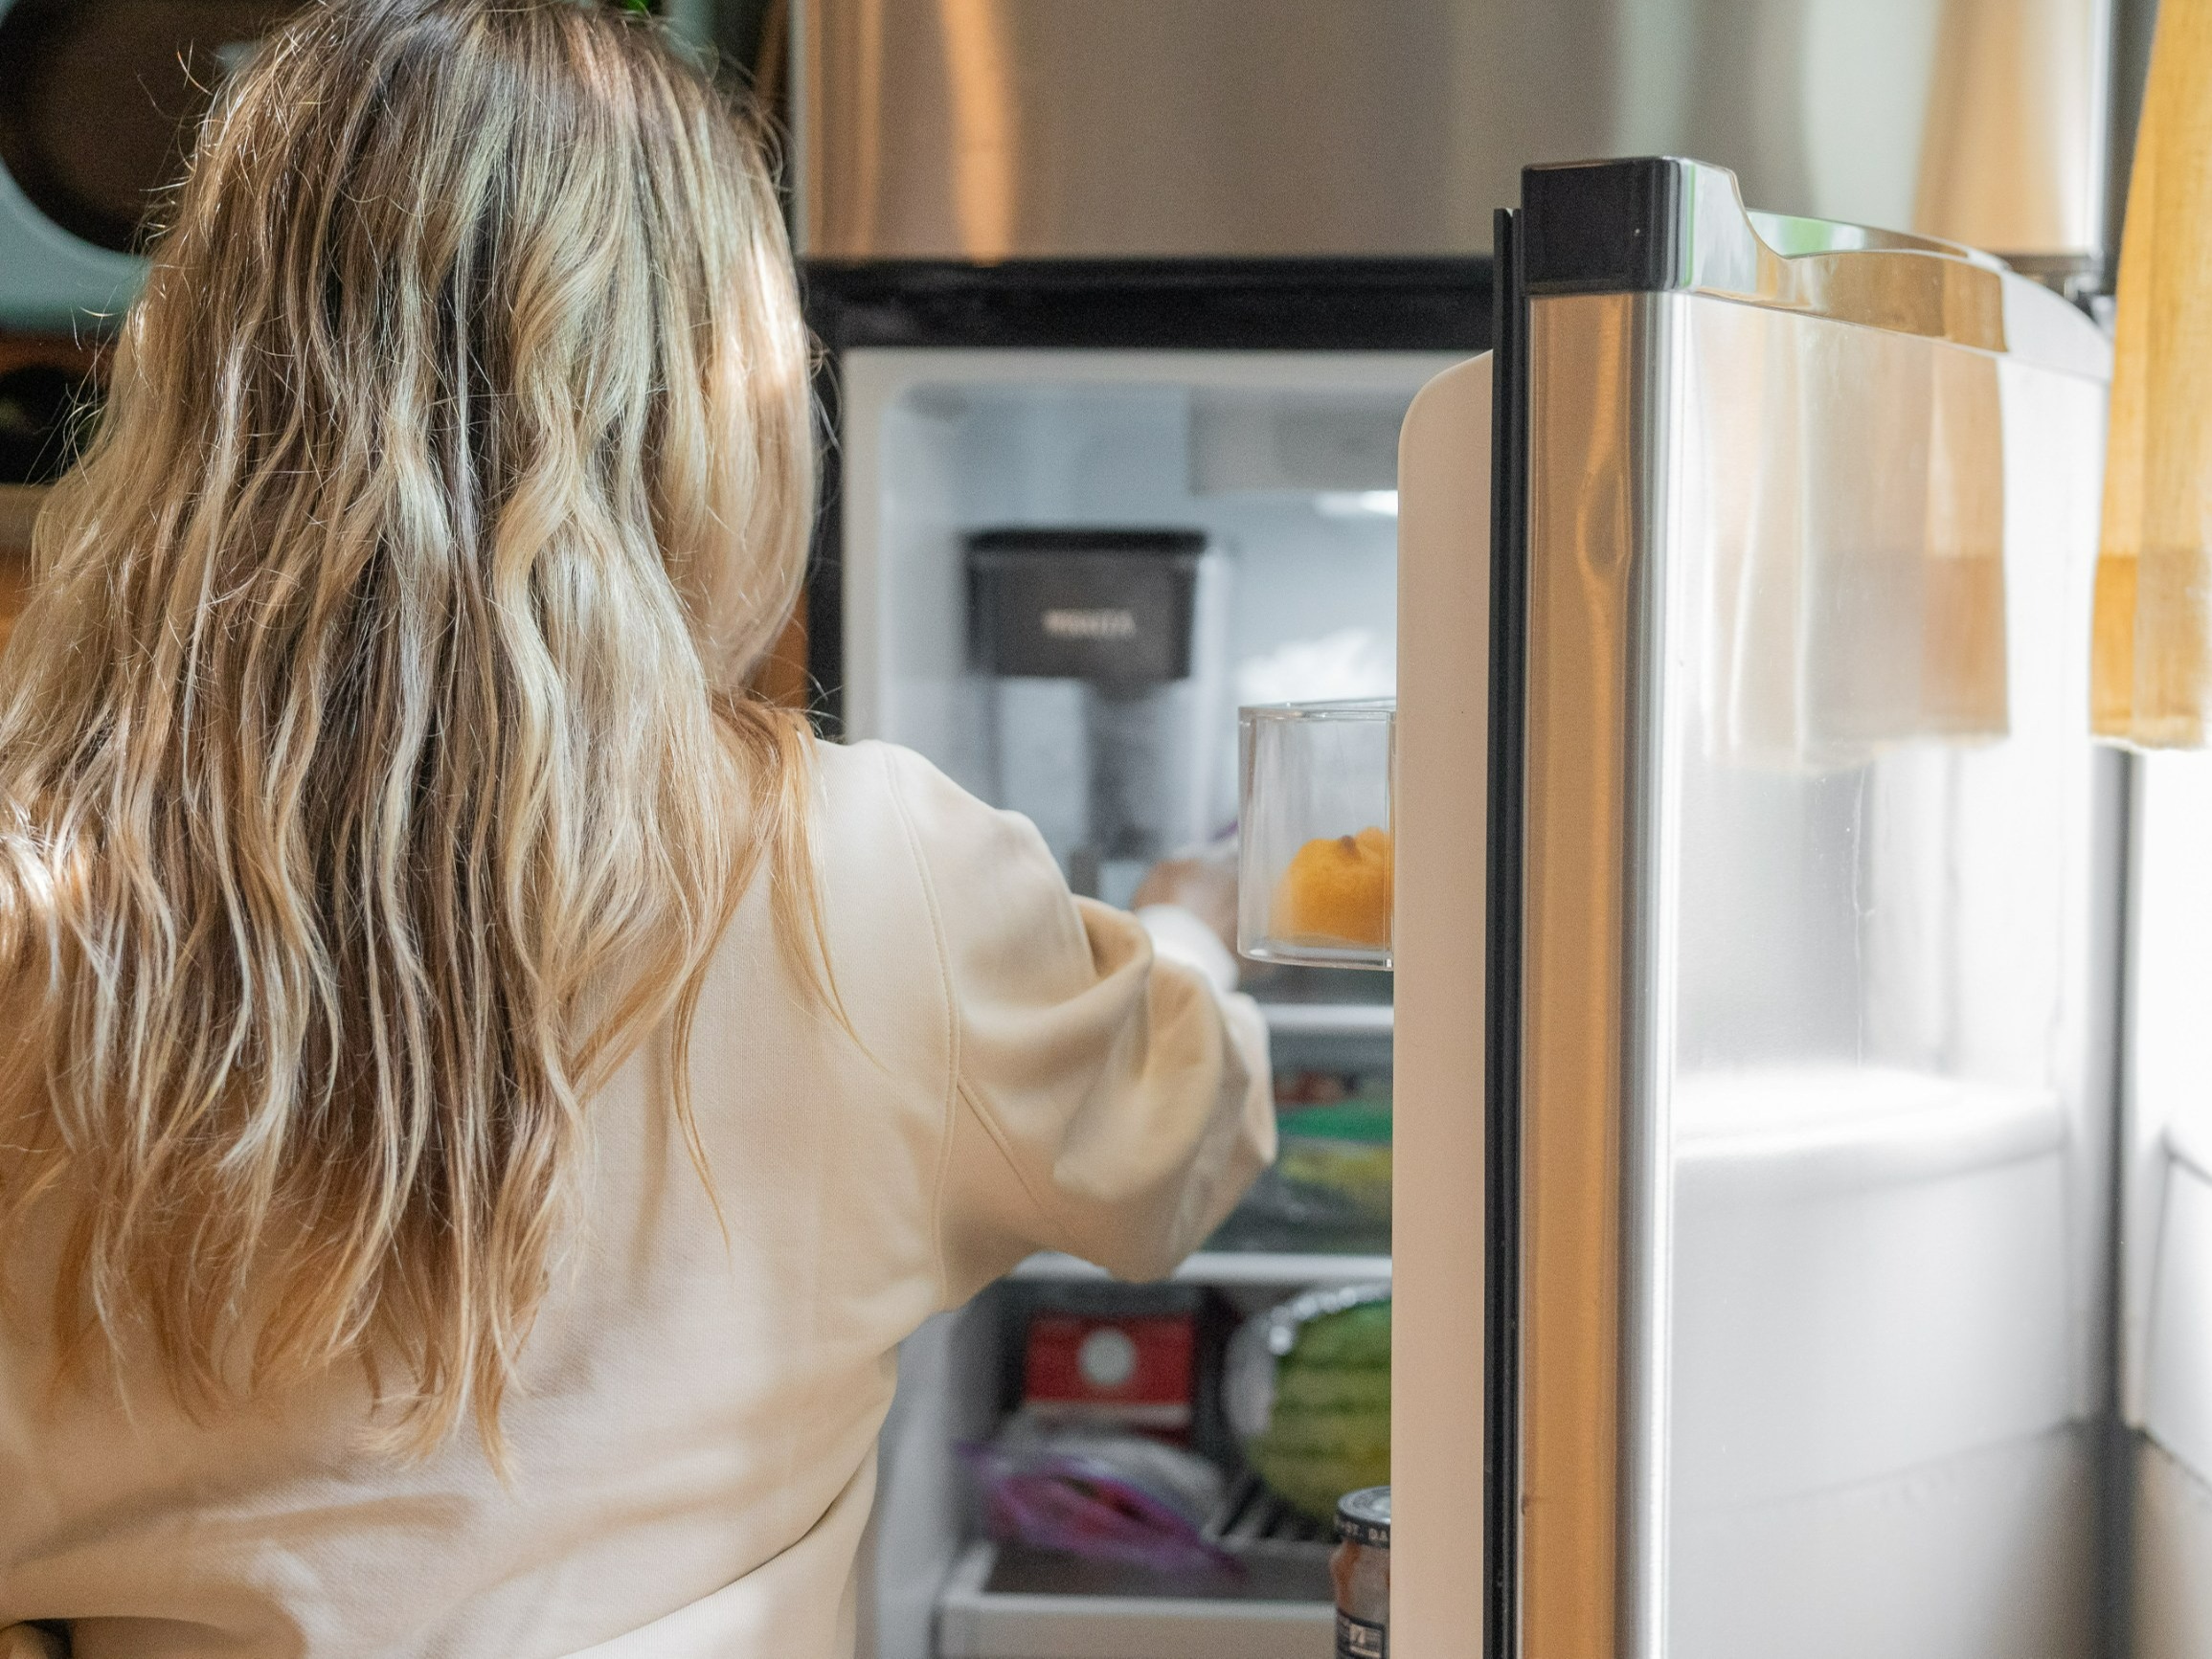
{"points": [[1204, 883]]}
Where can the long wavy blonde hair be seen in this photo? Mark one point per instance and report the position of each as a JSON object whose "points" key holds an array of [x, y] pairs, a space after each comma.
{"points": [[373, 772]]}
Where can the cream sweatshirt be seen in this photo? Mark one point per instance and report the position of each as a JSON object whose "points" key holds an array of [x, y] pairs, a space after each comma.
{"points": [[694, 1444]]}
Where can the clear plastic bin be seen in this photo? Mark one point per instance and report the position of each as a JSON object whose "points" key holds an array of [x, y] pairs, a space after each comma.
{"points": [[1316, 871]]}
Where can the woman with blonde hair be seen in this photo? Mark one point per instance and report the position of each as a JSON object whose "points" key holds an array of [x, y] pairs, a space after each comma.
{"points": [[481, 1100]]}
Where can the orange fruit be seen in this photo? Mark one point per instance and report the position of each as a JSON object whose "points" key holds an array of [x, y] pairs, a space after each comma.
{"points": [[1337, 892]]}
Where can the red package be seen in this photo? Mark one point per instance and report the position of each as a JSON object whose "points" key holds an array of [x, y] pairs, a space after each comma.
{"points": [[1134, 1369]]}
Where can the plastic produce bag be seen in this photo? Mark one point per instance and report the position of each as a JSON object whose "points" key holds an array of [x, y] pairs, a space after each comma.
{"points": [[1102, 1494]]}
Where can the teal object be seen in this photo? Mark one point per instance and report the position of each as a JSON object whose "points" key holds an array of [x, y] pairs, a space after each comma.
{"points": [[49, 281], [54, 282]]}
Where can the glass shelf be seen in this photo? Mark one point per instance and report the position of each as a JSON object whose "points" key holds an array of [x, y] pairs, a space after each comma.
{"points": [[1330, 1036], [1330, 1019], [1231, 1268]]}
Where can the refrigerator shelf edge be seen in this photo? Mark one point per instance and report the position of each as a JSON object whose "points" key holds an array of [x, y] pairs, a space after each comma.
{"points": [[977, 1622], [1330, 1036], [1329, 1018], [1229, 1268]]}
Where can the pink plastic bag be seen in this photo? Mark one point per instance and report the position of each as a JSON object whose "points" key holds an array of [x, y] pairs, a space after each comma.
{"points": [[1074, 1501]]}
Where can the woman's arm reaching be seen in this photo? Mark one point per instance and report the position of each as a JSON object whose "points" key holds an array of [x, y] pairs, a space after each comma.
{"points": [[1111, 1101]]}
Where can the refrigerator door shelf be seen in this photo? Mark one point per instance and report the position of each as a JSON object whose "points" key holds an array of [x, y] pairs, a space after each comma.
{"points": [[1822, 1131], [1977, 1554], [1870, 1278]]}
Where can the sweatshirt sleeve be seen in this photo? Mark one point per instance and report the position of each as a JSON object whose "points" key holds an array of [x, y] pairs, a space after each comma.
{"points": [[1106, 1101]]}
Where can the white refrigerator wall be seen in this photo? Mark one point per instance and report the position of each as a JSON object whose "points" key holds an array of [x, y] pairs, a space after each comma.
{"points": [[1288, 458], [2167, 1194]]}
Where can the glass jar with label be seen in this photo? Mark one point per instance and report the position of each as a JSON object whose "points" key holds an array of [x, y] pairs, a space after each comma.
{"points": [[1361, 1570]]}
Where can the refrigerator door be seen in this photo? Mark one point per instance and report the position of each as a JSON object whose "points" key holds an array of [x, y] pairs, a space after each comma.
{"points": [[1441, 941], [1813, 1066]]}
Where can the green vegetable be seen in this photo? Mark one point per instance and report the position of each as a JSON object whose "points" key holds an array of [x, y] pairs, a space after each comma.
{"points": [[1364, 1117], [1329, 1430]]}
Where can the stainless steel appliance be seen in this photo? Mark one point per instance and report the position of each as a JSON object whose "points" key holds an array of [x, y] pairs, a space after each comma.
{"points": [[1802, 887], [1754, 1028], [998, 128]]}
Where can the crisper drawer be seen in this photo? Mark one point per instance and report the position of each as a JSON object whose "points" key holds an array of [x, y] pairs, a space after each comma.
{"points": [[1007, 1602]]}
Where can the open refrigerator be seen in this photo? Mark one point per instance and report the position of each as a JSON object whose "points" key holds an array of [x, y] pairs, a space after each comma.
{"points": [[1233, 423], [1750, 1060]]}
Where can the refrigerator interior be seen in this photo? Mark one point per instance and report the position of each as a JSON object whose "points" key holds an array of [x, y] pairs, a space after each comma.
{"points": [[1287, 461]]}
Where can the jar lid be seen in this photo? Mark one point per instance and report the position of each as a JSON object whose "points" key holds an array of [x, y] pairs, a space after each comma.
{"points": [[1364, 1518]]}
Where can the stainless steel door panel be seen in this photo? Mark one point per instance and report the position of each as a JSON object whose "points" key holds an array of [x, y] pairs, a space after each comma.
{"points": [[983, 128], [1597, 980], [1821, 897]]}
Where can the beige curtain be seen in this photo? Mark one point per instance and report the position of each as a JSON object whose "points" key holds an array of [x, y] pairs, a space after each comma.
{"points": [[2010, 155], [2154, 604]]}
